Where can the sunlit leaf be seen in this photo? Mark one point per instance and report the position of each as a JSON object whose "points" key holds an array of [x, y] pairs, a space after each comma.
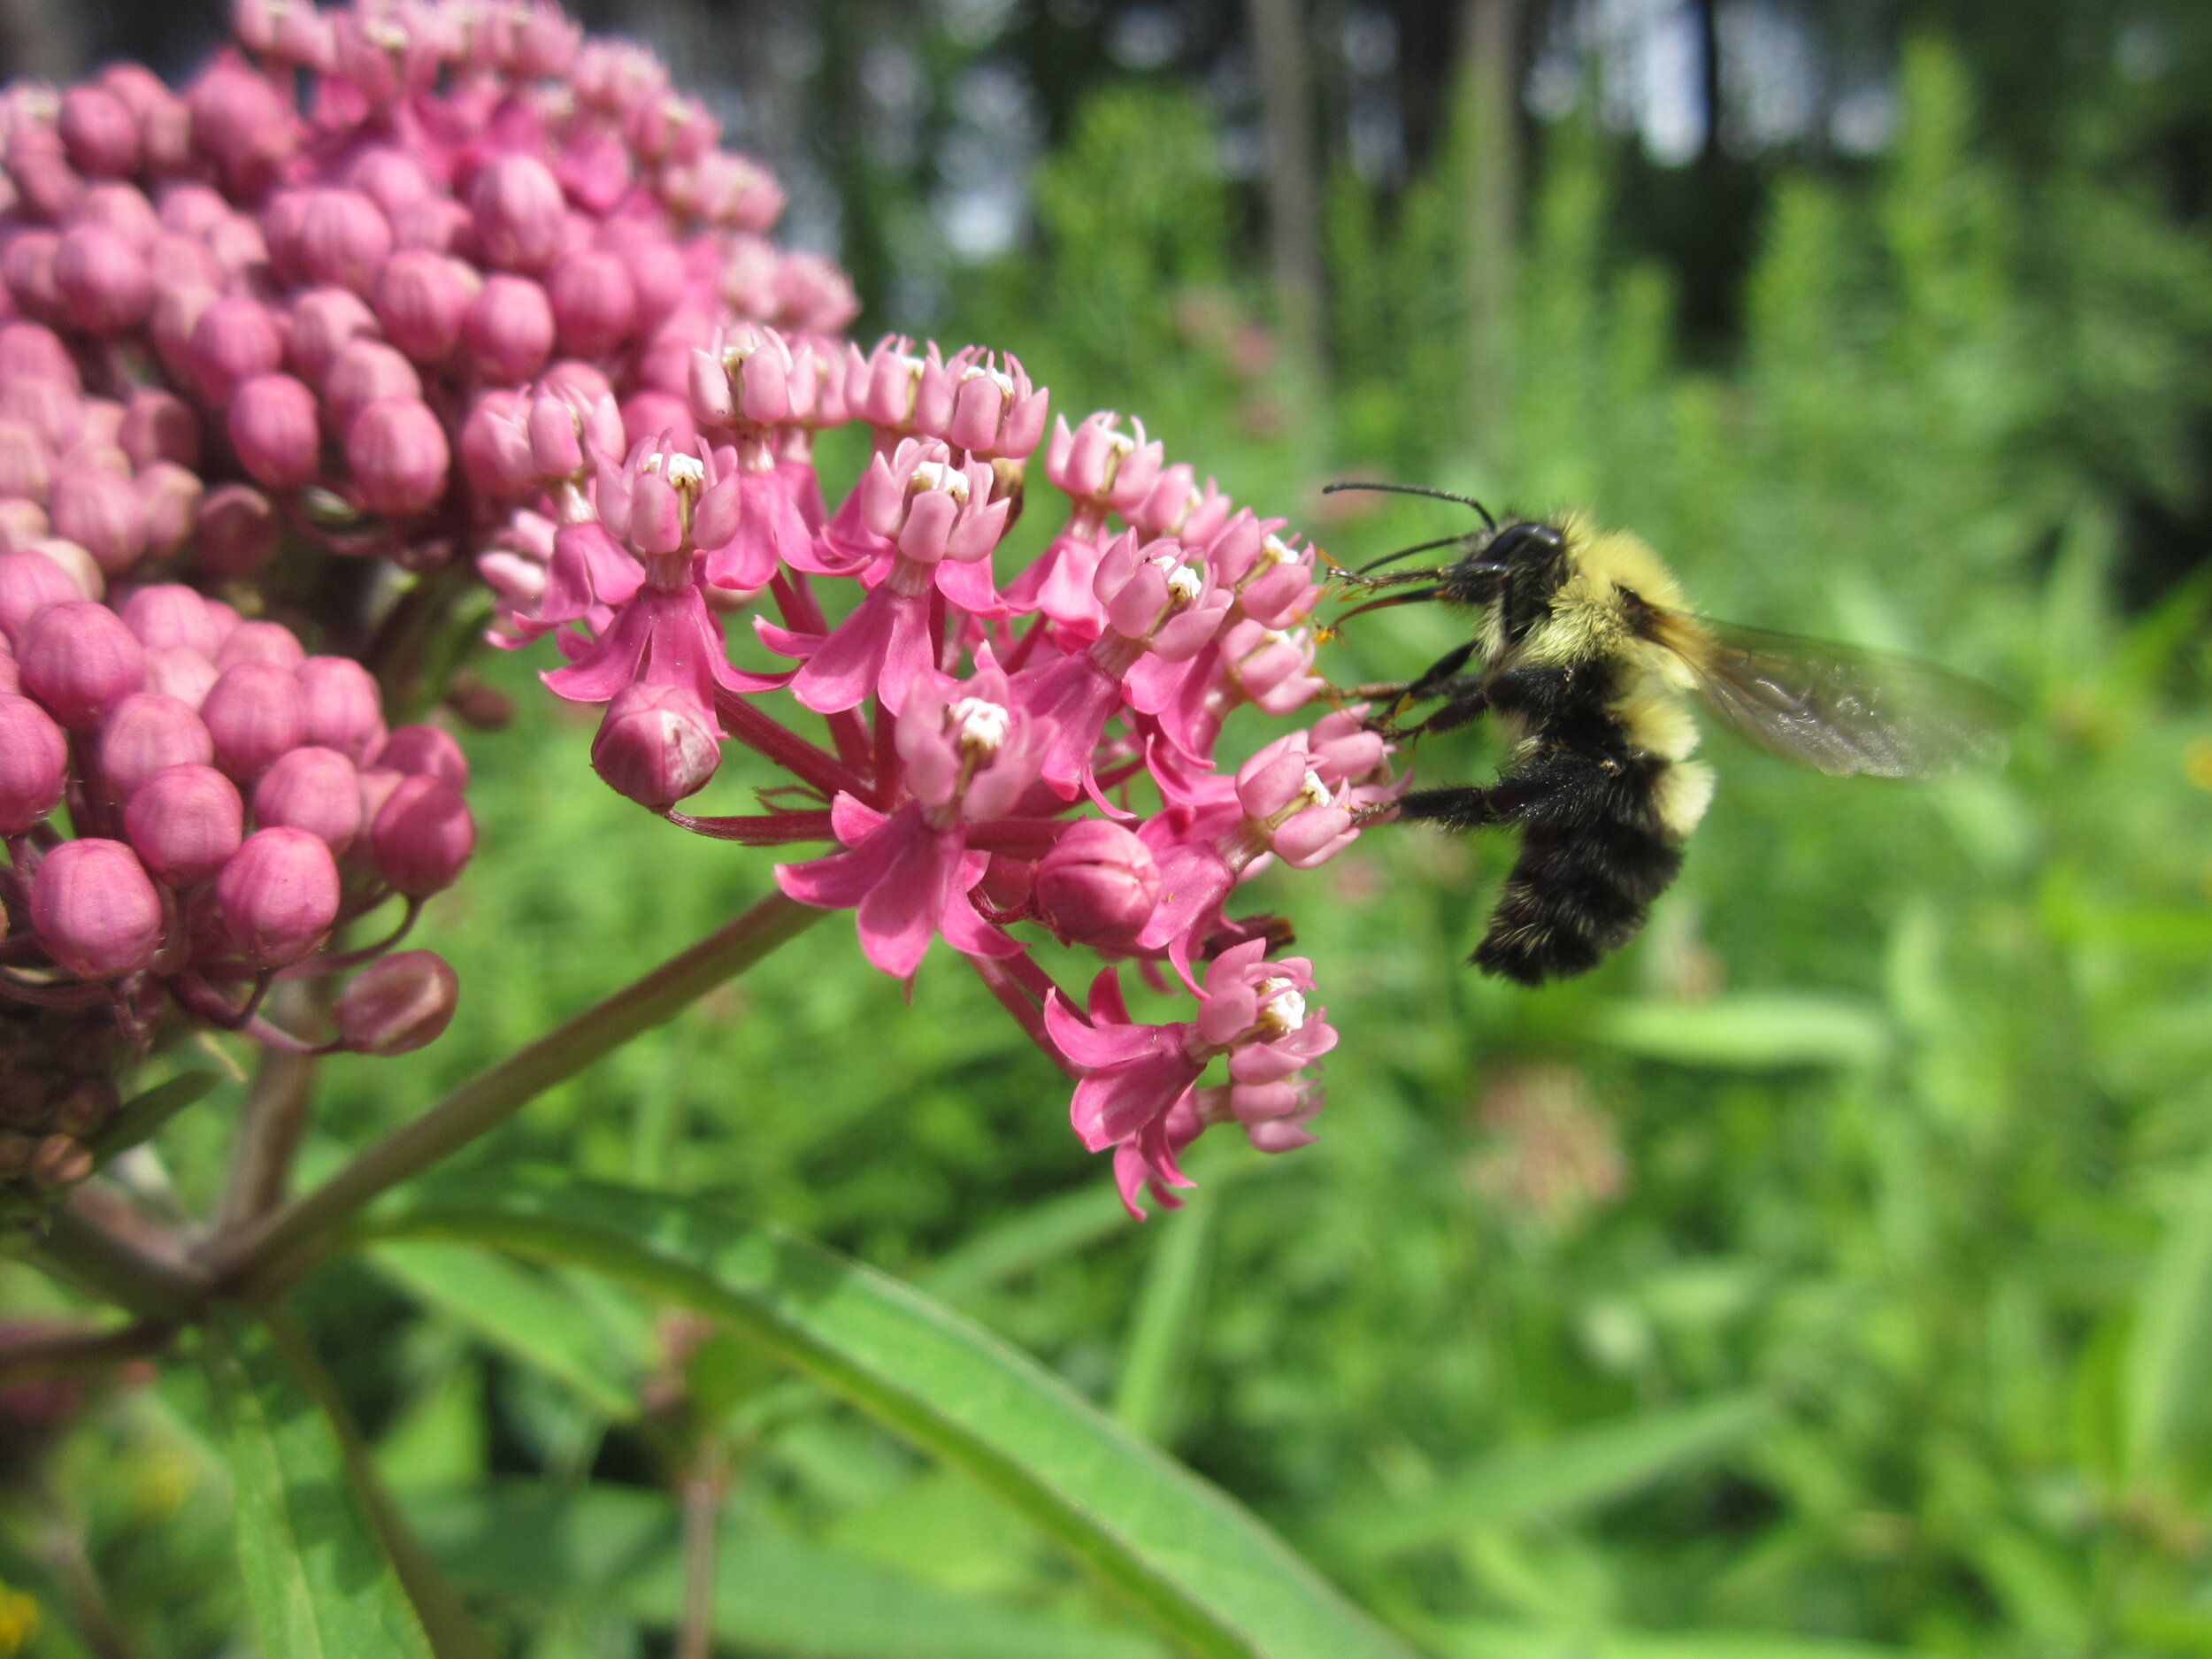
{"points": [[1749, 1032]]}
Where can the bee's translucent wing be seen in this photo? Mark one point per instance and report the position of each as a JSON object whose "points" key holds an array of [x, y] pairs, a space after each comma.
{"points": [[1841, 709]]}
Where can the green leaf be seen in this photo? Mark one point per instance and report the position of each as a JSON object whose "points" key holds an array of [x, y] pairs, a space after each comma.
{"points": [[617, 1547], [1036, 1236], [1205, 1568], [1560, 1478], [1747, 1033], [2170, 1353], [517, 1311], [1164, 1332], [140, 1117], [318, 1580], [1472, 1639]]}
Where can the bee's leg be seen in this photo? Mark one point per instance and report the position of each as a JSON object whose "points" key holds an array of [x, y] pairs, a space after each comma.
{"points": [[1441, 679], [1515, 796]]}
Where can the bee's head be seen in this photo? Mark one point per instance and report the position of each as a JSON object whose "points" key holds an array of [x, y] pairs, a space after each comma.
{"points": [[1520, 558]]}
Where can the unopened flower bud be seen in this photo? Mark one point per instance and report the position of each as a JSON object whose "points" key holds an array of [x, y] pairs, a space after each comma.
{"points": [[95, 910], [169, 499], [1099, 885], [30, 352], [421, 297], [101, 514], [427, 751], [234, 339], [278, 893], [325, 321], [104, 282], [274, 428], [34, 764], [520, 214], [79, 660], [254, 712], [345, 712], [29, 582], [259, 642], [160, 426], [234, 533], [315, 790], [655, 746], [58, 1161], [178, 672], [99, 131], [186, 822], [509, 330], [423, 836], [399, 456], [26, 465], [593, 303], [364, 371], [398, 1004], [149, 732], [496, 448], [343, 239]]}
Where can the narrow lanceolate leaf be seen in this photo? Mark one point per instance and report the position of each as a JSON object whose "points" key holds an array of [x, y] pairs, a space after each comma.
{"points": [[1211, 1574], [2171, 1352], [1473, 1639], [140, 1117], [316, 1578], [517, 1311], [1747, 1033], [1560, 1478]]}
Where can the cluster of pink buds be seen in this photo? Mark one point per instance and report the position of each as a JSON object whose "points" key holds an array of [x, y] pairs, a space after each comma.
{"points": [[1000, 764], [235, 803], [301, 293]]}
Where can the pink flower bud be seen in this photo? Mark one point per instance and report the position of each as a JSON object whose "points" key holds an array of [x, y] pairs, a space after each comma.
{"points": [[94, 909], [29, 352], [1099, 885], [234, 533], [510, 329], [377, 784], [397, 1005], [279, 894], [101, 514], [29, 582], [398, 454], [425, 751], [26, 266], [26, 465], [160, 426], [344, 709], [34, 764], [104, 281], [80, 661], [169, 496], [324, 322], [274, 427], [655, 746], [315, 790], [22, 524], [421, 297], [343, 239], [496, 448], [44, 180], [186, 822], [178, 672], [123, 208], [269, 643], [593, 303], [423, 835], [363, 372], [238, 118], [149, 732], [389, 177], [49, 408], [234, 339], [657, 276], [99, 131], [255, 712], [519, 213], [73, 561]]}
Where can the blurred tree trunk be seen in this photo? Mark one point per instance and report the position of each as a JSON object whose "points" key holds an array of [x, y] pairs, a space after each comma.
{"points": [[1489, 130], [1293, 205]]}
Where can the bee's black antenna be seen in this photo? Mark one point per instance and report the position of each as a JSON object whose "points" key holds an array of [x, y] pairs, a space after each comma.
{"points": [[1408, 552], [1418, 490]]}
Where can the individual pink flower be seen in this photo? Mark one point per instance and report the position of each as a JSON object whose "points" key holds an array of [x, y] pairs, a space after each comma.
{"points": [[970, 753], [1101, 469], [750, 383], [942, 524]]}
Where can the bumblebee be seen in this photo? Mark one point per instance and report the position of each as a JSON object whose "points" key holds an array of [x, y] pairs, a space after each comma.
{"points": [[1586, 654]]}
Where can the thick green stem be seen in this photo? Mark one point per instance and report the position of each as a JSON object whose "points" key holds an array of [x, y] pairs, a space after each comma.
{"points": [[94, 1240], [251, 1260]]}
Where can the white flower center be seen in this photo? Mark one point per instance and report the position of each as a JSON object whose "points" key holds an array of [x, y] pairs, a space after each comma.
{"points": [[1273, 552], [385, 35], [1312, 792], [1185, 584], [978, 726], [941, 475], [685, 471], [1282, 1007], [984, 371]]}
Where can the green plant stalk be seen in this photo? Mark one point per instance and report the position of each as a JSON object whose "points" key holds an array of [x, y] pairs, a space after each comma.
{"points": [[88, 1247], [257, 1255]]}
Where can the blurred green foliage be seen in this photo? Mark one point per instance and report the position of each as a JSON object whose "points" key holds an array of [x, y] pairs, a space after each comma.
{"points": [[1831, 1274]]}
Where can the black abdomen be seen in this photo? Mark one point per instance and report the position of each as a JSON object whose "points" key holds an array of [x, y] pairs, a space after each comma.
{"points": [[1592, 860]]}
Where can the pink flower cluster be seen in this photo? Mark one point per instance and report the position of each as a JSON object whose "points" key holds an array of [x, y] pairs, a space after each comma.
{"points": [[234, 802], [999, 762], [298, 293]]}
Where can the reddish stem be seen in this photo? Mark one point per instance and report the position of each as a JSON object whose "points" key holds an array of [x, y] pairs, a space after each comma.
{"points": [[769, 829], [1019, 995], [802, 614], [1016, 837], [815, 765]]}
